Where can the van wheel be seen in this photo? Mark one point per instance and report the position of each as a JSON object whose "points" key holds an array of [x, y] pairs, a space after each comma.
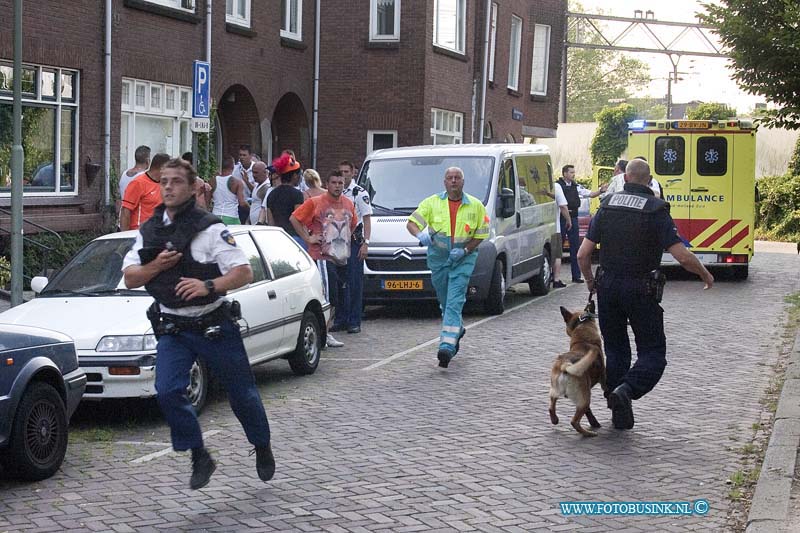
{"points": [[305, 358], [493, 304], [740, 272], [540, 283], [197, 391], [38, 440]]}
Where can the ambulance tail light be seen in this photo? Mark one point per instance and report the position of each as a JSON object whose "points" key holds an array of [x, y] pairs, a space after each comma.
{"points": [[737, 258]]}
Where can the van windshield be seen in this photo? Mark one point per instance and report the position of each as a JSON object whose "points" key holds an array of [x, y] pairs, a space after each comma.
{"points": [[401, 184]]}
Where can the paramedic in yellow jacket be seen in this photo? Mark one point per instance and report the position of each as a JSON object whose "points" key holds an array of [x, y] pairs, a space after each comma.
{"points": [[457, 223]]}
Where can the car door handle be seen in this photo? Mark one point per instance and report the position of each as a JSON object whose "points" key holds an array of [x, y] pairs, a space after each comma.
{"points": [[519, 220], [700, 189], [271, 295]]}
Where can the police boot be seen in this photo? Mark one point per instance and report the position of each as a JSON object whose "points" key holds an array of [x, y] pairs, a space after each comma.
{"points": [[202, 468], [265, 462], [621, 409]]}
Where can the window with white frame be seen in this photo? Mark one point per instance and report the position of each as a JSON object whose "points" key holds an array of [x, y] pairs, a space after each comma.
{"points": [[292, 19], [49, 129], [449, 24], [183, 5], [380, 139], [237, 12], [541, 59], [492, 41], [447, 127], [384, 22], [156, 115], [514, 51]]}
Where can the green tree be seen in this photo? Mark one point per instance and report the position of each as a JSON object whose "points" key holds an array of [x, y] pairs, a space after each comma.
{"points": [[611, 137], [794, 164], [763, 40], [595, 77], [711, 111]]}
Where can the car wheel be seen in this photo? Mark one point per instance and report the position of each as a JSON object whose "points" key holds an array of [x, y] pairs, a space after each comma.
{"points": [[39, 434], [493, 304], [305, 358], [740, 272], [197, 391], [540, 283]]}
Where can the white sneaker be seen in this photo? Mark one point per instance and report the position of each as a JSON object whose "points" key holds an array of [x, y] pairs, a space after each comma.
{"points": [[333, 343]]}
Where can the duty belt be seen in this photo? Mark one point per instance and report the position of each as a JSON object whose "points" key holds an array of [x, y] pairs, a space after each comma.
{"points": [[168, 324]]}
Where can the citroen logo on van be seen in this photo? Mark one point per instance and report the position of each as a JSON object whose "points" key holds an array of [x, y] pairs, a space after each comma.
{"points": [[402, 252]]}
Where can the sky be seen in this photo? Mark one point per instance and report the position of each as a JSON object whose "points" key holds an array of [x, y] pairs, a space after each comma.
{"points": [[707, 79]]}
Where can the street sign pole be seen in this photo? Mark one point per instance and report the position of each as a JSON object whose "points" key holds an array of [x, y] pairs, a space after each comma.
{"points": [[17, 157]]}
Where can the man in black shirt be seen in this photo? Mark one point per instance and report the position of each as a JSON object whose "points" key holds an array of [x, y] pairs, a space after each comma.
{"points": [[283, 200]]}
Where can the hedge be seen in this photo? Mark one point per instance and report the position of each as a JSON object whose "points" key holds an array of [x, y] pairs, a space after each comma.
{"points": [[778, 208]]}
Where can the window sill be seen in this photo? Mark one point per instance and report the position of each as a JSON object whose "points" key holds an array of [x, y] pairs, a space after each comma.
{"points": [[383, 45], [60, 200], [514, 92], [290, 42], [164, 11], [238, 29], [538, 98], [450, 53]]}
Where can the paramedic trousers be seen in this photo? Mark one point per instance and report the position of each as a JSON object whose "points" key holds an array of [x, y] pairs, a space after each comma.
{"points": [[451, 281], [226, 359], [620, 300]]}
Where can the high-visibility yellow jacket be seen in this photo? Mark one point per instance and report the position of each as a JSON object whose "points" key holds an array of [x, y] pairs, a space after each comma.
{"points": [[434, 212]]}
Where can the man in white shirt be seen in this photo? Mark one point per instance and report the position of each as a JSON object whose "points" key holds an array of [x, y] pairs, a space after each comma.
{"points": [[573, 192], [259, 194], [561, 203], [141, 163]]}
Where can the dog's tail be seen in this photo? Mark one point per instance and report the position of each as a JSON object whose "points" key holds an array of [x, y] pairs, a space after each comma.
{"points": [[579, 368]]}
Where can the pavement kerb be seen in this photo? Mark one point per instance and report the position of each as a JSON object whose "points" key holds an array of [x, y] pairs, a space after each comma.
{"points": [[769, 510]]}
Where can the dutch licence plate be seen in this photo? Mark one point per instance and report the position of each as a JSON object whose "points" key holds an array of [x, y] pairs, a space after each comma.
{"points": [[402, 285]]}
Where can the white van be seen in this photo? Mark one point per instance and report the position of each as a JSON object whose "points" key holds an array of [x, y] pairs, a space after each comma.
{"points": [[515, 183]]}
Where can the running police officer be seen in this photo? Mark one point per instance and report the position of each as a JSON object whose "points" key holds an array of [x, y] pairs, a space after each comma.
{"points": [[457, 224], [187, 260], [633, 228]]}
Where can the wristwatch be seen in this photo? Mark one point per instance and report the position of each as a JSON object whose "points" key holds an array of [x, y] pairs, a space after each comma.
{"points": [[209, 283], [366, 241]]}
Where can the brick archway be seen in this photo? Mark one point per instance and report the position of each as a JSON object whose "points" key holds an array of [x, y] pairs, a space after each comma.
{"points": [[290, 128], [239, 121]]}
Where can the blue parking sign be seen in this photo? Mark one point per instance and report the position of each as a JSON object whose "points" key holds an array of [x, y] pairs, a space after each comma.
{"points": [[201, 106]]}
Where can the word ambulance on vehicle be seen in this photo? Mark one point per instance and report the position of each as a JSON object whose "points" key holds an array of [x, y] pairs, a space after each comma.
{"points": [[706, 169]]}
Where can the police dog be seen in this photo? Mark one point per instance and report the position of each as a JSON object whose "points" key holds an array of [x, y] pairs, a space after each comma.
{"points": [[575, 372]]}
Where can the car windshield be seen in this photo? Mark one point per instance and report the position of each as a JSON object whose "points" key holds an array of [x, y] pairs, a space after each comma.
{"points": [[94, 271], [401, 184]]}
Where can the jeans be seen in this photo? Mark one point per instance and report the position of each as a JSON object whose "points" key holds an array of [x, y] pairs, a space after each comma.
{"points": [[573, 237], [350, 313], [620, 300], [226, 359]]}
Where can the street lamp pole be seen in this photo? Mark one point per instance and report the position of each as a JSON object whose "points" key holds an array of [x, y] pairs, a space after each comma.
{"points": [[17, 158]]}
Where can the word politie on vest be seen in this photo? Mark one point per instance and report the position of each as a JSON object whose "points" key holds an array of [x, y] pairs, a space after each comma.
{"points": [[628, 200]]}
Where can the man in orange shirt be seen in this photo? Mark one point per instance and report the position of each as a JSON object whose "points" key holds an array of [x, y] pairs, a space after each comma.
{"points": [[142, 196]]}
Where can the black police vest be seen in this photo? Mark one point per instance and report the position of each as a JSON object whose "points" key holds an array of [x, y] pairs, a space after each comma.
{"points": [[572, 196], [188, 222], [630, 243]]}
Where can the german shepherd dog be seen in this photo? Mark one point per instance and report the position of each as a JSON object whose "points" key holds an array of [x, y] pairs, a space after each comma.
{"points": [[575, 372]]}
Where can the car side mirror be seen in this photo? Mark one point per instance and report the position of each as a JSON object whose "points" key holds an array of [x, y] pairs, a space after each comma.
{"points": [[38, 284], [506, 206]]}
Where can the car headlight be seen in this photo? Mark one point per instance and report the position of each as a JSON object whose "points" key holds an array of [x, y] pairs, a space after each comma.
{"points": [[127, 343]]}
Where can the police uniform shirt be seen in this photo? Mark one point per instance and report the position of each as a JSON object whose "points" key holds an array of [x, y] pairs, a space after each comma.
{"points": [[360, 199], [663, 229], [246, 175], [215, 244]]}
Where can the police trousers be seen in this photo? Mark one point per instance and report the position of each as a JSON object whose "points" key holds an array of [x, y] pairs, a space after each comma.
{"points": [[620, 300], [226, 359]]}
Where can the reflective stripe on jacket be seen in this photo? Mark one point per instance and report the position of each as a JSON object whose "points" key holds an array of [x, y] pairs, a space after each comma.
{"points": [[472, 221]]}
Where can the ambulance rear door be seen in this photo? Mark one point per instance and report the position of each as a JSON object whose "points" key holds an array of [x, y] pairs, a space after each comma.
{"points": [[671, 156], [711, 191]]}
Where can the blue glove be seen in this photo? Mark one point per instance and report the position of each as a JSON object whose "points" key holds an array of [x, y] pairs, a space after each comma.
{"points": [[457, 254], [424, 238]]}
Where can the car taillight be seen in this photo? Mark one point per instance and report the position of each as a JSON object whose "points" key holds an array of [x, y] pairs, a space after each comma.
{"points": [[124, 370]]}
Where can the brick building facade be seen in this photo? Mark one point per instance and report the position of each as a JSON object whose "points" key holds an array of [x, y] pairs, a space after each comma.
{"points": [[392, 73]]}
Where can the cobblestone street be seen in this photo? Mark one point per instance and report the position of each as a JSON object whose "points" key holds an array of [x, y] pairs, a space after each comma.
{"points": [[381, 439]]}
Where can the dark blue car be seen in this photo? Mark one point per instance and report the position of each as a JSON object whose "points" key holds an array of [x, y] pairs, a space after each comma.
{"points": [[40, 387]]}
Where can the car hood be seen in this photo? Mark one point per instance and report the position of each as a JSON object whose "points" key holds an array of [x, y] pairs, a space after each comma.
{"points": [[86, 319], [391, 231]]}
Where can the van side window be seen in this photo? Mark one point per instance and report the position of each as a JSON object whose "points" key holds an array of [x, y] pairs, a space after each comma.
{"points": [[670, 156], [712, 156], [534, 180]]}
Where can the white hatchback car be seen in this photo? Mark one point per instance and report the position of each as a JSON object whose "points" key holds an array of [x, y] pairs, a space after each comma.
{"points": [[284, 313]]}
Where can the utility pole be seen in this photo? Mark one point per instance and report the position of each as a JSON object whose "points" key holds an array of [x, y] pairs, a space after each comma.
{"points": [[17, 158]]}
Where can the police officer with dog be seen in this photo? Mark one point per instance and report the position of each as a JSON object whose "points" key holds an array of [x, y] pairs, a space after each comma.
{"points": [[187, 259], [633, 228]]}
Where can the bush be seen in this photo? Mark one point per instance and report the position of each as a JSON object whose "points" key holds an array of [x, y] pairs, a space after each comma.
{"points": [[794, 164], [778, 208], [611, 137], [5, 272]]}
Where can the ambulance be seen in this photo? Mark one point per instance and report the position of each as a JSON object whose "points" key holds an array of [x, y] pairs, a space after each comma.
{"points": [[706, 169]]}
